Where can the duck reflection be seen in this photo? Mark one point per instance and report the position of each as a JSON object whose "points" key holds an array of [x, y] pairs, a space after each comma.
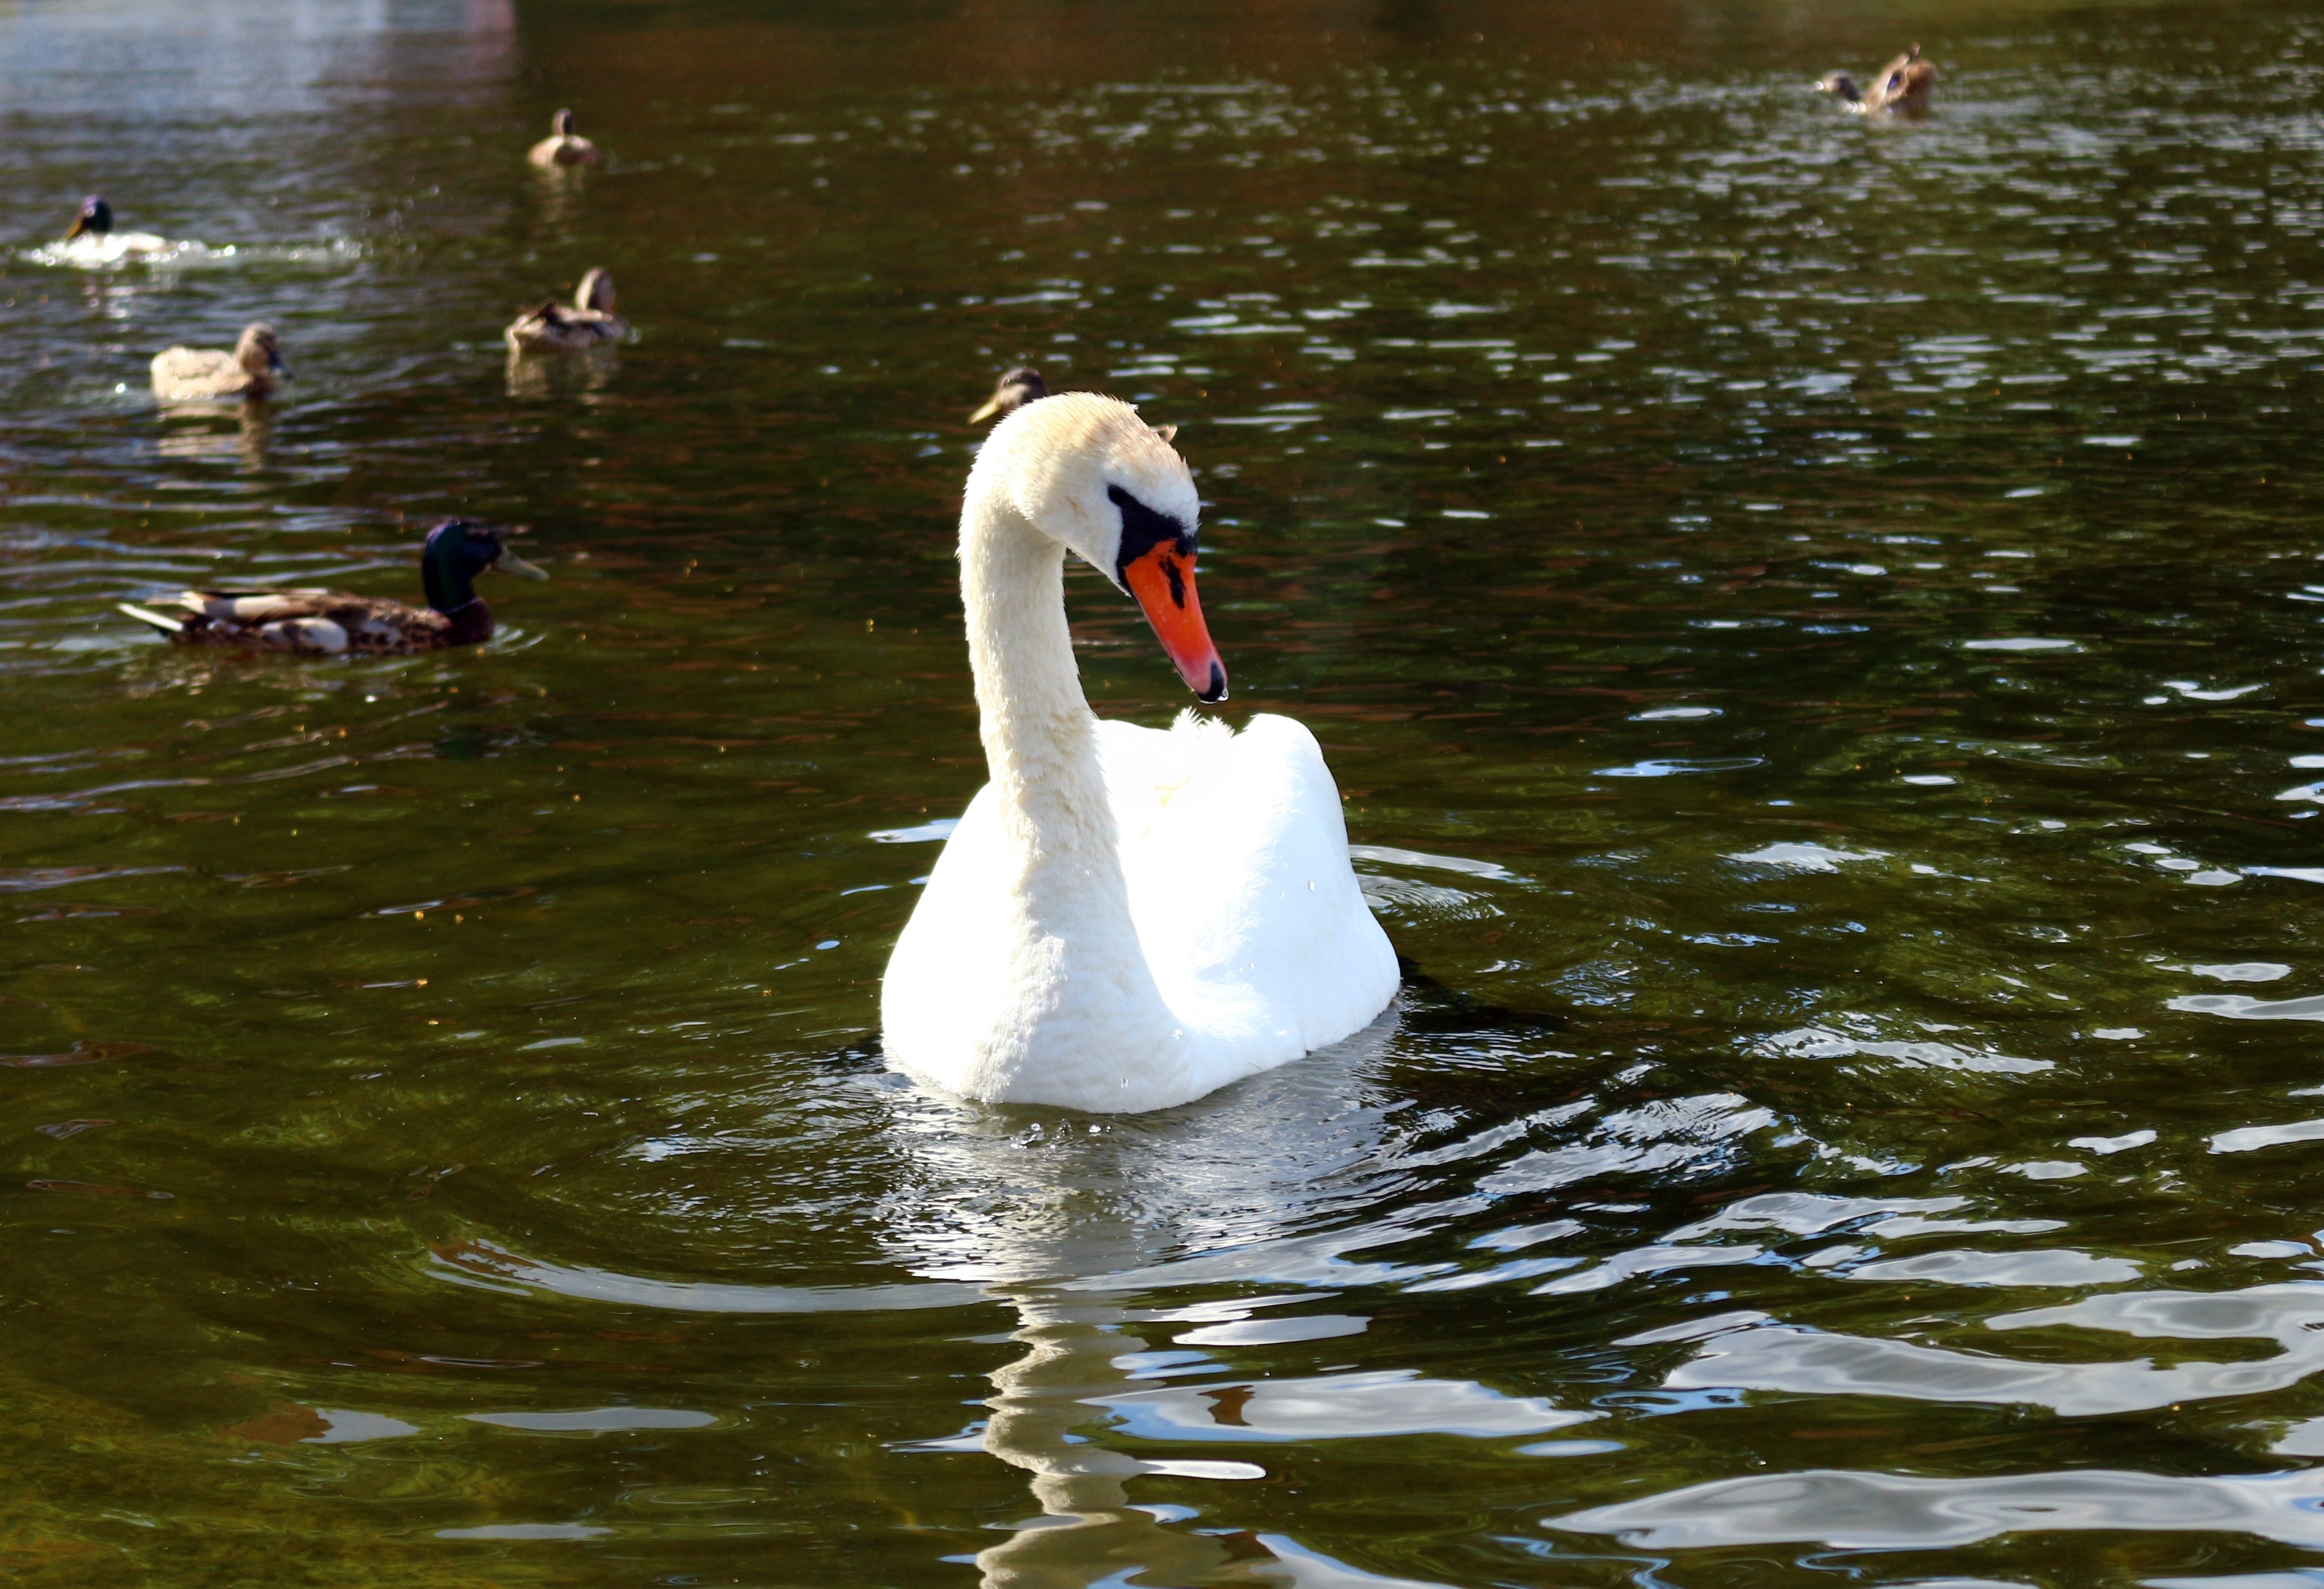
{"points": [[105, 298], [243, 436], [581, 377]]}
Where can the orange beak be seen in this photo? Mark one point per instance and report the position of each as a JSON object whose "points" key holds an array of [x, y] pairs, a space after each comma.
{"points": [[1163, 580]]}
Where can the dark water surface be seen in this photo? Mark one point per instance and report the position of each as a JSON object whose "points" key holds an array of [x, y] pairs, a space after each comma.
{"points": [[1817, 626]]}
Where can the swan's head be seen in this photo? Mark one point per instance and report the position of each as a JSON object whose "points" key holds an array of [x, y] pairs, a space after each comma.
{"points": [[1012, 391], [596, 291], [258, 352], [95, 220], [1088, 472]]}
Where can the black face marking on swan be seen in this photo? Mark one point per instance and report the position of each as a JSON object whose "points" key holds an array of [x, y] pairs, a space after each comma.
{"points": [[1142, 530]]}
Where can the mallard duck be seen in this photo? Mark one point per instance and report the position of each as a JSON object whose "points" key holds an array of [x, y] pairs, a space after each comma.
{"points": [[253, 369], [1019, 387], [332, 623], [1902, 90], [563, 146], [552, 328], [93, 241]]}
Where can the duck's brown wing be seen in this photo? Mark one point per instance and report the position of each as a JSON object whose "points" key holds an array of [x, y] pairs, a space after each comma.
{"points": [[552, 326], [1919, 82], [597, 325], [376, 626], [198, 371], [310, 623], [251, 604]]}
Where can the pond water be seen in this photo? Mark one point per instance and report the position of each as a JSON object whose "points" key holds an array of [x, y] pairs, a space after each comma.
{"points": [[1816, 626]]}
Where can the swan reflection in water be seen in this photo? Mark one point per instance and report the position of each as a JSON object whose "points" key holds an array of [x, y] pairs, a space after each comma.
{"points": [[1239, 1179], [1067, 1218], [1088, 1529]]}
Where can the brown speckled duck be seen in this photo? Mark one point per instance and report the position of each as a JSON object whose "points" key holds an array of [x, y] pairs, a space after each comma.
{"points": [[591, 322], [193, 375], [332, 623], [1901, 90], [563, 146]]}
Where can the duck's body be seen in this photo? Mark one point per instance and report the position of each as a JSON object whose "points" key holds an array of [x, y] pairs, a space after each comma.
{"points": [[590, 322], [1902, 90], [1125, 919], [254, 368], [333, 622], [1012, 391], [93, 241], [563, 146]]}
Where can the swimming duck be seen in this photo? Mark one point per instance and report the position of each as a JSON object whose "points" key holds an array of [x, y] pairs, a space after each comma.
{"points": [[93, 240], [563, 146], [1014, 389], [1125, 917], [1902, 90], [332, 623], [552, 328], [253, 369]]}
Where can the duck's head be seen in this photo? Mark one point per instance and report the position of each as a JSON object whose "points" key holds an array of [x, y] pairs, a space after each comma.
{"points": [[1905, 82], [1088, 472], [1012, 391], [458, 550], [596, 291], [1840, 87], [561, 123], [95, 220], [258, 352]]}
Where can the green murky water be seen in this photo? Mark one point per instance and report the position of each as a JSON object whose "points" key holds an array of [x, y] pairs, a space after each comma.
{"points": [[1816, 626]]}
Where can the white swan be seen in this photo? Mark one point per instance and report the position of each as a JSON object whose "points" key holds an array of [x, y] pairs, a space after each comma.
{"points": [[1126, 918]]}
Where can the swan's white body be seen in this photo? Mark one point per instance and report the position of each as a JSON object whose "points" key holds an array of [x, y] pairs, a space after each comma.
{"points": [[1125, 919]]}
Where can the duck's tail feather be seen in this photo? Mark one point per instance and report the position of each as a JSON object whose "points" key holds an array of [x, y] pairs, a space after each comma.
{"points": [[162, 621]]}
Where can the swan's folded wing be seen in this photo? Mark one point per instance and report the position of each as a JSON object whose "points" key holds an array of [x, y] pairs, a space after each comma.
{"points": [[1236, 855], [948, 974]]}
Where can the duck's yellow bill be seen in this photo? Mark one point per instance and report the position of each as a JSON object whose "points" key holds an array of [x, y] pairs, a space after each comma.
{"points": [[508, 562], [992, 407]]}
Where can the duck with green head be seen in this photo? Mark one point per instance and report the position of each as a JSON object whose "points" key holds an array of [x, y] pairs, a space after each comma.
{"points": [[332, 623], [93, 241]]}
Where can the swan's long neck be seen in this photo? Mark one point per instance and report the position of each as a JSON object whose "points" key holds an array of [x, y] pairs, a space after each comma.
{"points": [[1040, 740], [1076, 1015]]}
